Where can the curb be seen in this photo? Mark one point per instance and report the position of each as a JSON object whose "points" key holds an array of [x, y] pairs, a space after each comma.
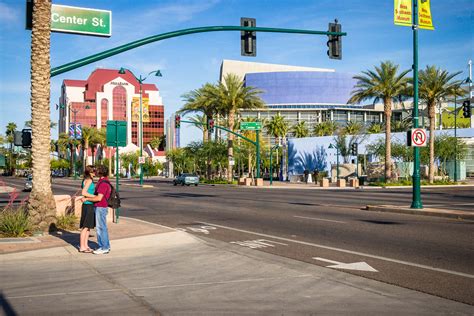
{"points": [[423, 212]]}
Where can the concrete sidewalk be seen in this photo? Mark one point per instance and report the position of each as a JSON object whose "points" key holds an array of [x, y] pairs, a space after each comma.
{"points": [[174, 273]]}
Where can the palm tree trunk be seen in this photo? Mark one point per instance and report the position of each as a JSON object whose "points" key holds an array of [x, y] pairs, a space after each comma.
{"points": [[208, 162], [432, 138], [86, 149], [230, 147], [388, 148], [41, 205]]}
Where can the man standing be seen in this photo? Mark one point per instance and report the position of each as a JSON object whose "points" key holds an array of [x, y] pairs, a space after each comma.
{"points": [[102, 194]]}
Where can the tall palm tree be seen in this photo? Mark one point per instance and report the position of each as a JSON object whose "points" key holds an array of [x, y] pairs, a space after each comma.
{"points": [[435, 85], [353, 128], [300, 130], [233, 97], [41, 206], [375, 128], [384, 84], [88, 134], [326, 128], [202, 120], [10, 133], [277, 126], [204, 100], [98, 139]]}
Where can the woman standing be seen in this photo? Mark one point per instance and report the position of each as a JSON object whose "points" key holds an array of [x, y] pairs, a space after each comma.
{"points": [[87, 215]]}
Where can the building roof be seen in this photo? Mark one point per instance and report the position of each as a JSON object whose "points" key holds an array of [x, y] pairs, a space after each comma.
{"points": [[240, 68], [302, 87], [99, 77]]}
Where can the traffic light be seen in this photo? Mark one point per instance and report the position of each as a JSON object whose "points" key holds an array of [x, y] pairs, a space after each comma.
{"points": [[248, 39], [177, 121], [22, 138], [334, 41], [211, 125], [354, 149], [466, 109]]}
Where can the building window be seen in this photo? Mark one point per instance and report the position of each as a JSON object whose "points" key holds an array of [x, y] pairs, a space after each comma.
{"points": [[104, 115], [119, 95]]}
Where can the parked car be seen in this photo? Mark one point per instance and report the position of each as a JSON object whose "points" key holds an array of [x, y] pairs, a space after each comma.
{"points": [[28, 183], [186, 179]]}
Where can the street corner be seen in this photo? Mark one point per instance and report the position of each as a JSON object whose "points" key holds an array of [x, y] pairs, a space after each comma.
{"points": [[445, 213]]}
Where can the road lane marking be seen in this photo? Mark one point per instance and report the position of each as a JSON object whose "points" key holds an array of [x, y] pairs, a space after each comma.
{"points": [[258, 243], [466, 275], [360, 266], [320, 219]]}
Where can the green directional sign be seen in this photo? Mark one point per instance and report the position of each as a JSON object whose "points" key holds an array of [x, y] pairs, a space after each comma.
{"points": [[250, 126], [116, 133], [2, 161], [77, 20]]}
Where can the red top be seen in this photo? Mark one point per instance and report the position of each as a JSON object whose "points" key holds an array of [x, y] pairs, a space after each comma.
{"points": [[103, 188]]}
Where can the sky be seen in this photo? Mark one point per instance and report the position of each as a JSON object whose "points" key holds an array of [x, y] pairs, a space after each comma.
{"points": [[188, 62]]}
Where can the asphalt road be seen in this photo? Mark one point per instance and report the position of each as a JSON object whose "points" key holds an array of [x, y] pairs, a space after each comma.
{"points": [[322, 227]]}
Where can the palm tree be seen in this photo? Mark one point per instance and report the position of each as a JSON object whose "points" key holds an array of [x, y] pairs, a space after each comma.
{"points": [[41, 205], [202, 120], [234, 96], [435, 85], [387, 85], [277, 126], [10, 133], [300, 130], [204, 100], [326, 128], [375, 128], [52, 124], [353, 128], [98, 139], [88, 134]]}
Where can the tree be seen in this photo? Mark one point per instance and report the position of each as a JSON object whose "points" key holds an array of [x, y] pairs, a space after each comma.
{"points": [[277, 126], [10, 133], [326, 128], [387, 85], [88, 134], [375, 128], [41, 205], [435, 86], [158, 142], [300, 130], [353, 128], [202, 120], [98, 138], [234, 96]]}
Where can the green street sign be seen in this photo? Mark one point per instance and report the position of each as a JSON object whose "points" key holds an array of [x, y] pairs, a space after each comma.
{"points": [[250, 126], [66, 19], [116, 133], [2, 161]]}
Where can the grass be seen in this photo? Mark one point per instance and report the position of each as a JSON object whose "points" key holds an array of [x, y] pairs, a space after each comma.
{"points": [[66, 222], [217, 181], [14, 222]]}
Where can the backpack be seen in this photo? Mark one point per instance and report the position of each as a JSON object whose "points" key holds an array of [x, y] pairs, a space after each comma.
{"points": [[114, 199]]}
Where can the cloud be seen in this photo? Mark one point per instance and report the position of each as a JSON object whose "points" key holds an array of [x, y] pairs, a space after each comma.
{"points": [[8, 14]]}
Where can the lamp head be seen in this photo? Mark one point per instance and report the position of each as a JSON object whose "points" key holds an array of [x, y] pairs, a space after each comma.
{"points": [[158, 74], [122, 71], [331, 146], [468, 80], [87, 107]]}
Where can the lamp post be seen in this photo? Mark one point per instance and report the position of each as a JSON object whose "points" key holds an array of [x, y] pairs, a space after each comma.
{"points": [[140, 124], [271, 155], [331, 146]]}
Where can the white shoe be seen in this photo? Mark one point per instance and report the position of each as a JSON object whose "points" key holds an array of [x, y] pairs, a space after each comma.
{"points": [[101, 251]]}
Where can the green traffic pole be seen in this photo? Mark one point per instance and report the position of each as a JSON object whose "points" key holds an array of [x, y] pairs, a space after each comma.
{"points": [[258, 152], [456, 143], [117, 179], [271, 171], [141, 131], [416, 198]]}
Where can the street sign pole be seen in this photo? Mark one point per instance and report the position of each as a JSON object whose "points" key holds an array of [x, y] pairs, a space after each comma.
{"points": [[257, 140], [416, 197]]}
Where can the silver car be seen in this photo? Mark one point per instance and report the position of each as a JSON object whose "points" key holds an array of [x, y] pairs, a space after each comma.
{"points": [[28, 183], [186, 179]]}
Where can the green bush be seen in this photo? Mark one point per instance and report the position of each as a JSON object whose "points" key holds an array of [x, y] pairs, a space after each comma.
{"points": [[14, 222], [216, 181], [66, 222]]}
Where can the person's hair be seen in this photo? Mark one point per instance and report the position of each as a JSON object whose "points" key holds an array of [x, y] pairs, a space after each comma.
{"points": [[87, 172], [102, 171]]}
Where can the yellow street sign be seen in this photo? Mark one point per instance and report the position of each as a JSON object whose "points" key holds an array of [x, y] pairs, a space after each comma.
{"points": [[402, 12], [424, 15]]}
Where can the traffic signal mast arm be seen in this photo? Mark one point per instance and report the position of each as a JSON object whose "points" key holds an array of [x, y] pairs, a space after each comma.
{"points": [[225, 129], [123, 48]]}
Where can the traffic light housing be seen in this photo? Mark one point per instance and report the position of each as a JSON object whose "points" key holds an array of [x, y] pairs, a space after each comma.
{"points": [[22, 138], [466, 109], [211, 125], [334, 42], [354, 149], [177, 121], [248, 39]]}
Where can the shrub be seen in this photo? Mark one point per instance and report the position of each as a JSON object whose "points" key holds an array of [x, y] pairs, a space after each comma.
{"points": [[66, 222], [14, 222]]}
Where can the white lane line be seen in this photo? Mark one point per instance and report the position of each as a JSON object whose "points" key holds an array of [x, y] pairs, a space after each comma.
{"points": [[471, 276], [320, 219], [159, 287]]}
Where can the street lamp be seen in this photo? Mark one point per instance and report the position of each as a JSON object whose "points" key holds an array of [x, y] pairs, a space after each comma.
{"points": [[140, 80], [331, 146]]}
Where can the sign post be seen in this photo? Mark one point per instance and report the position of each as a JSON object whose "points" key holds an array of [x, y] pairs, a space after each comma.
{"points": [[116, 136]]}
